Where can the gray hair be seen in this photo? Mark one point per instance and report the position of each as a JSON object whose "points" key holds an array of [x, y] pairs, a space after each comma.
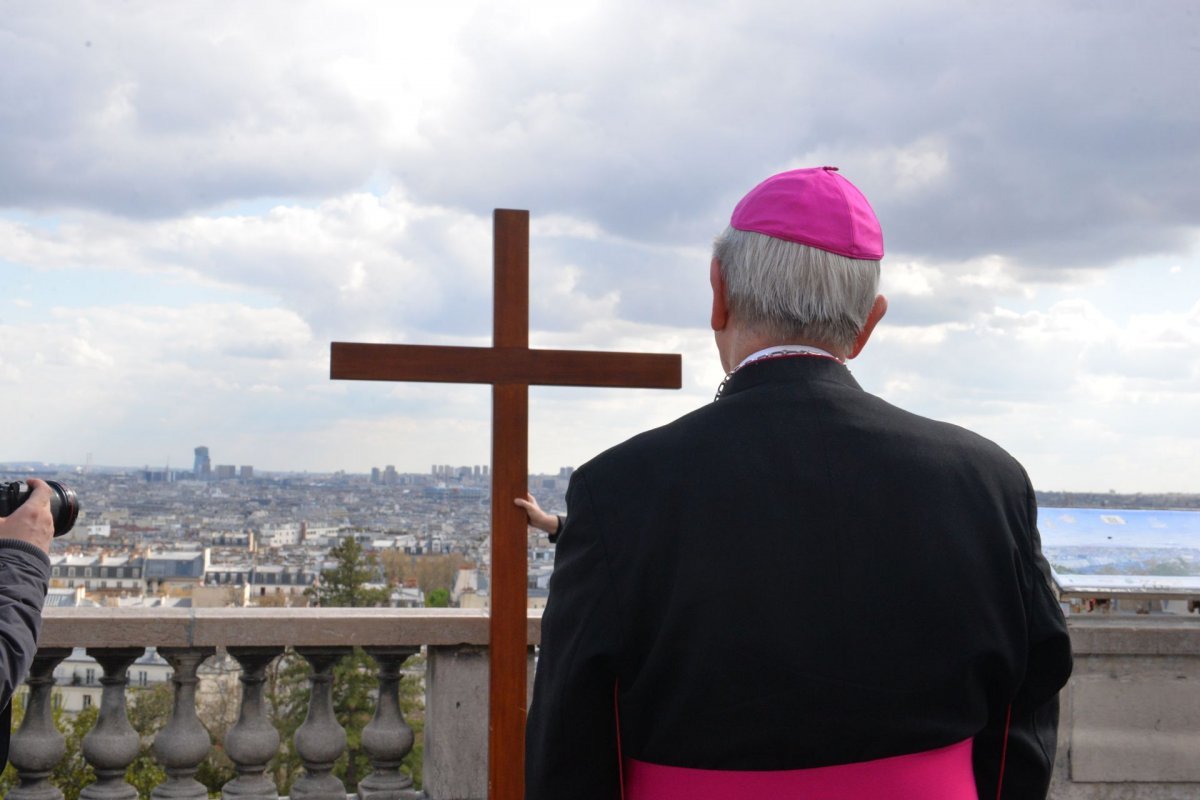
{"points": [[793, 292]]}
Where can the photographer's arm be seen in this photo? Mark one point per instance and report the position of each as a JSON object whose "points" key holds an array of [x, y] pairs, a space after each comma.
{"points": [[25, 537]]}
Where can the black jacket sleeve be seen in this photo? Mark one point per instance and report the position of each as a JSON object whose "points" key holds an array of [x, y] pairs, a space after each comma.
{"points": [[562, 522], [24, 575], [571, 736], [1021, 764]]}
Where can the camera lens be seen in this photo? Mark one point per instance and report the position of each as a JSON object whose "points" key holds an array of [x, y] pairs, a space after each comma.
{"points": [[64, 503], [64, 507]]}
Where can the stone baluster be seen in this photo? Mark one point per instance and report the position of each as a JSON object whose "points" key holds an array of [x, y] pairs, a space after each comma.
{"points": [[387, 737], [113, 744], [253, 741], [37, 746], [184, 742], [320, 740]]}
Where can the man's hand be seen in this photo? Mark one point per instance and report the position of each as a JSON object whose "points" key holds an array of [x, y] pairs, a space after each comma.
{"points": [[32, 522], [537, 518]]}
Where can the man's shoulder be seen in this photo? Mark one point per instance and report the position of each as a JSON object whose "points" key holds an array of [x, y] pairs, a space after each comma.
{"points": [[715, 431], [664, 441], [947, 433]]}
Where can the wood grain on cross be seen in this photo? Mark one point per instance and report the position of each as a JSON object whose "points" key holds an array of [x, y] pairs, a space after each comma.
{"points": [[511, 367]]}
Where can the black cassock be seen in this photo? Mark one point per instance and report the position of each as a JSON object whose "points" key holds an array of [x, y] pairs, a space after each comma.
{"points": [[797, 575]]}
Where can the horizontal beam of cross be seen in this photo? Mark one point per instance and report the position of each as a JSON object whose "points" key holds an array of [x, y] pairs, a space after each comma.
{"points": [[434, 364]]}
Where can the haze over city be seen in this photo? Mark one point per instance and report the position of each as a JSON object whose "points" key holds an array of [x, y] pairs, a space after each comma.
{"points": [[195, 199]]}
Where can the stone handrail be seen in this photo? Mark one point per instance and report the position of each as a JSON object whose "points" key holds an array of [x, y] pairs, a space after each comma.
{"points": [[255, 627]]}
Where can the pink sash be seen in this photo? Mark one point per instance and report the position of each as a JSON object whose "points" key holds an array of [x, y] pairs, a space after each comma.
{"points": [[942, 774]]}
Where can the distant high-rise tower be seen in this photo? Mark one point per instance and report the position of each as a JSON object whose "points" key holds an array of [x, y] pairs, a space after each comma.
{"points": [[203, 466]]}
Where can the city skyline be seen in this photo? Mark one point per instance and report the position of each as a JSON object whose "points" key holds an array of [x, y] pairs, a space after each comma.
{"points": [[194, 202]]}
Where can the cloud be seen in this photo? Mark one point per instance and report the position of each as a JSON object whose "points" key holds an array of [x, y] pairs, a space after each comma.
{"points": [[1083, 396], [999, 132], [365, 267], [153, 111], [111, 380], [991, 133]]}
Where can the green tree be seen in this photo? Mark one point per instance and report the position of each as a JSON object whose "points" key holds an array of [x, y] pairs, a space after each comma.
{"points": [[355, 687], [355, 682], [8, 777], [73, 773], [149, 710], [218, 713], [287, 694], [355, 677], [215, 770], [344, 584], [438, 598], [427, 572], [412, 705]]}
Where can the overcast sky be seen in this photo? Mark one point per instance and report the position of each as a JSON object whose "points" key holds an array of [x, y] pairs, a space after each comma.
{"points": [[196, 198]]}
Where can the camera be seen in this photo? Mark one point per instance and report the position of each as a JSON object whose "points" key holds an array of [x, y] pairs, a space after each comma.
{"points": [[64, 505]]}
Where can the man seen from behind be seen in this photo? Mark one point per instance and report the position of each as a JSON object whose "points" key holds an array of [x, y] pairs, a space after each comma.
{"points": [[798, 590]]}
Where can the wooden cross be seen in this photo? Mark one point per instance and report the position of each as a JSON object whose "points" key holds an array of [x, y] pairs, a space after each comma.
{"points": [[511, 367]]}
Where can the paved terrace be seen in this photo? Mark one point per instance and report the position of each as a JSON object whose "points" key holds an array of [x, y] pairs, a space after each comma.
{"points": [[1130, 726]]}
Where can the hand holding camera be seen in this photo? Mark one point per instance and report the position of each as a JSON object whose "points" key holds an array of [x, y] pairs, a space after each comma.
{"points": [[36, 511]]}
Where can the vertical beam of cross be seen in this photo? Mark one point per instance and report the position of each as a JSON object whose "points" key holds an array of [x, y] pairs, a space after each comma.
{"points": [[510, 366], [510, 474]]}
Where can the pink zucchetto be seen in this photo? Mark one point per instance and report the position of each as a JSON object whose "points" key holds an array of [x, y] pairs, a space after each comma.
{"points": [[816, 207]]}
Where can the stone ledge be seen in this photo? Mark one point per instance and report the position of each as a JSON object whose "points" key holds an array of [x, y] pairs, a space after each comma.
{"points": [[1167, 636], [185, 627]]}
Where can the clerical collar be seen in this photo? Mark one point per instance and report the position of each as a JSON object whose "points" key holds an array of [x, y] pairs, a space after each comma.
{"points": [[781, 350], [778, 351]]}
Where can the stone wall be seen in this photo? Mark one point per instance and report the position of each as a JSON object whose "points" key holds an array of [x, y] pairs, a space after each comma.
{"points": [[1130, 725]]}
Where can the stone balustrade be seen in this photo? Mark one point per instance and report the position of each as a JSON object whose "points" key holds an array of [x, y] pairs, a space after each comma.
{"points": [[1130, 724], [455, 642]]}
